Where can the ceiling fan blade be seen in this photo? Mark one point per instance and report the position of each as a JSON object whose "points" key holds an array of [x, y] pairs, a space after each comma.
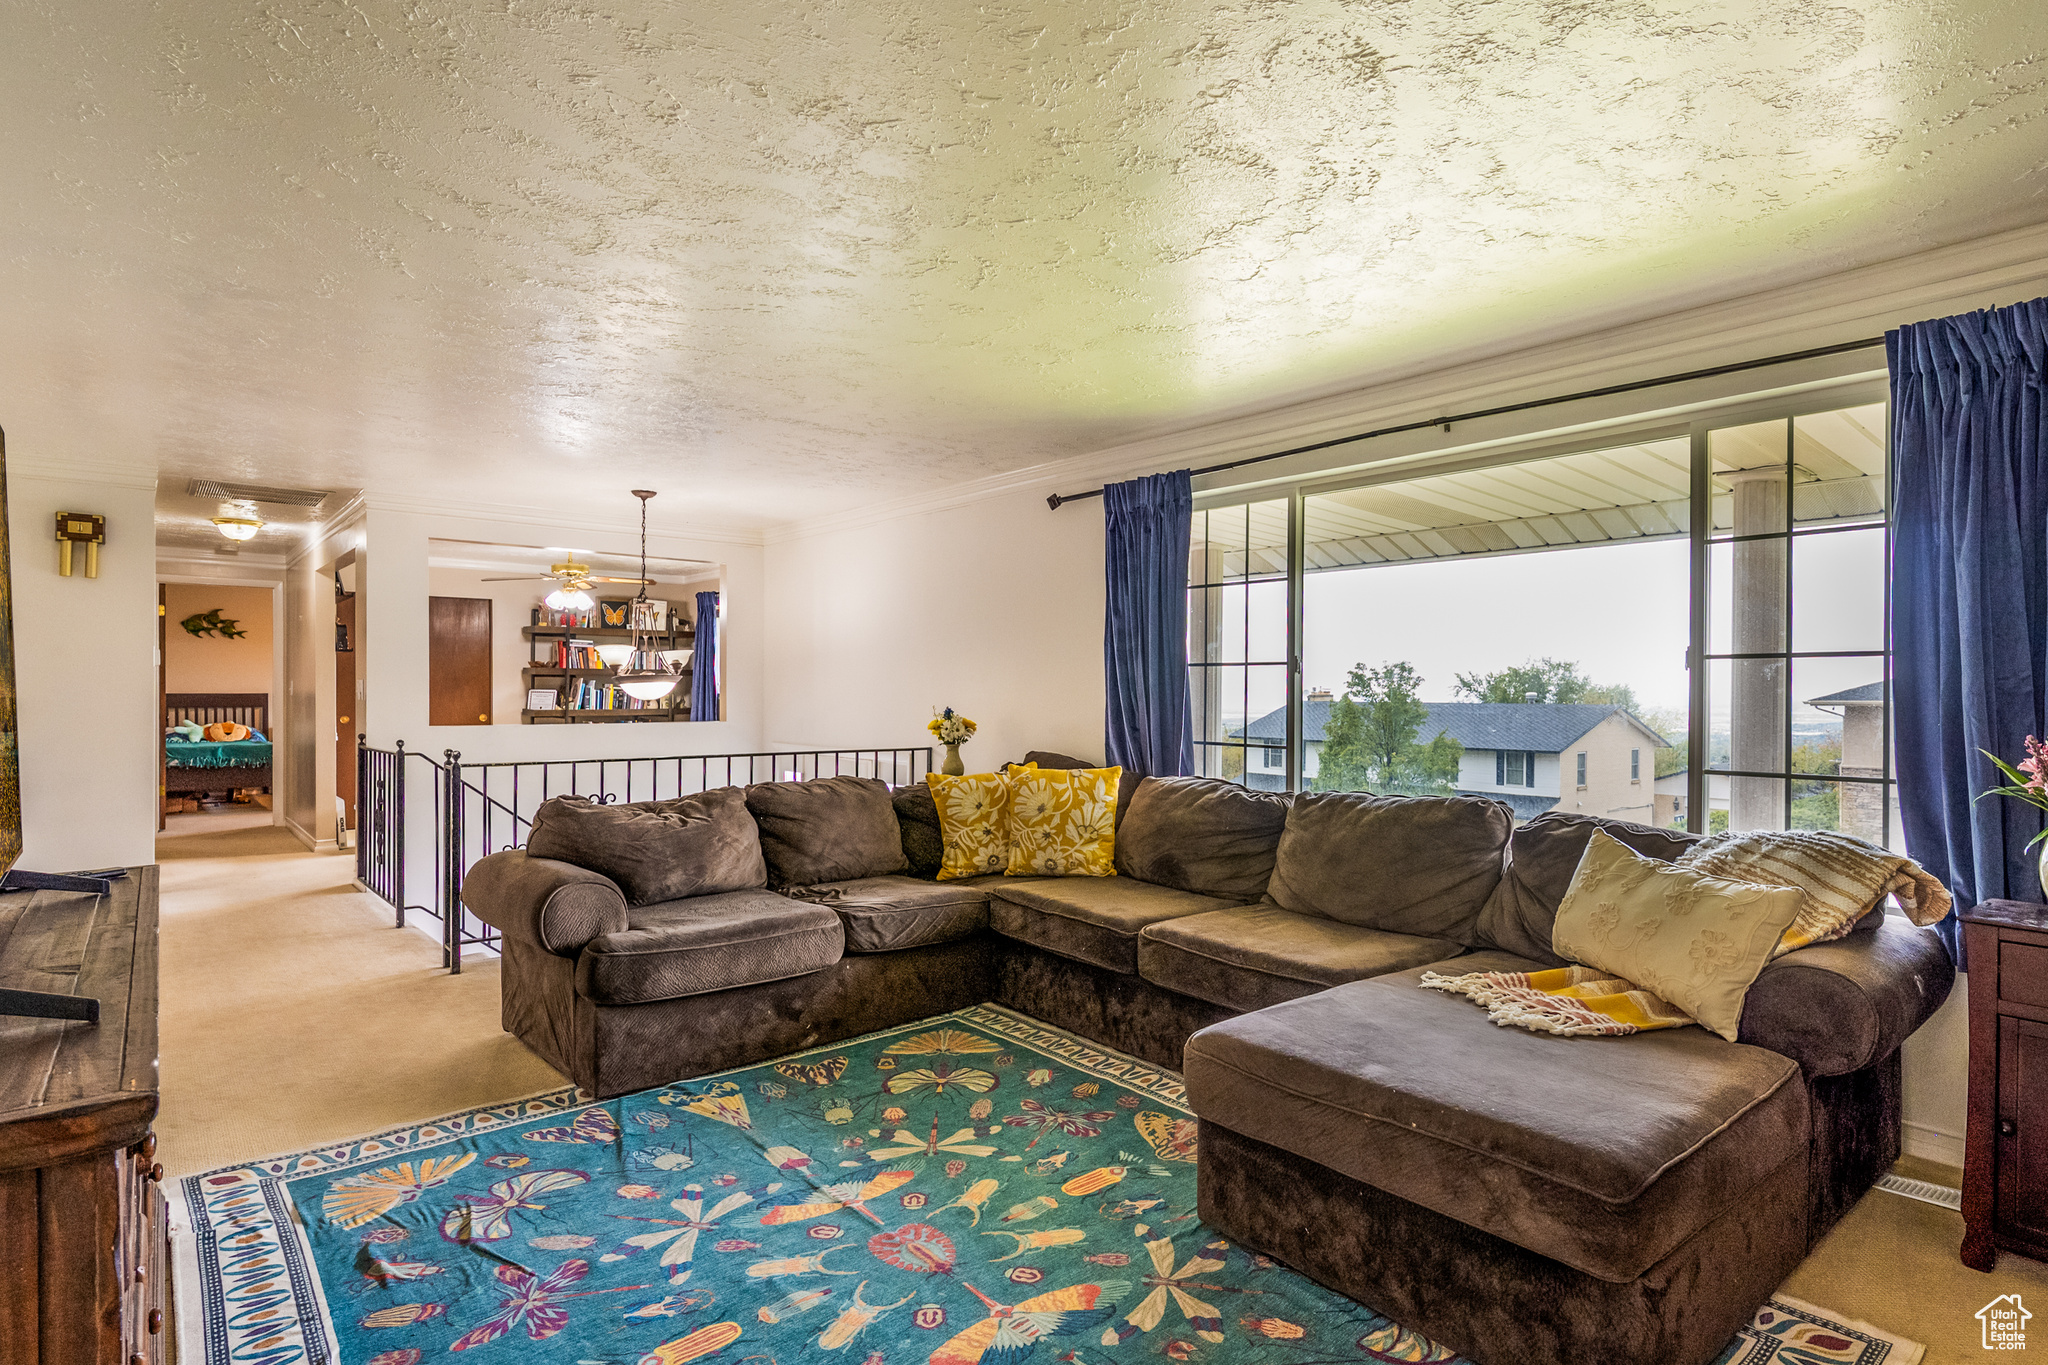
{"points": [[516, 578], [598, 578]]}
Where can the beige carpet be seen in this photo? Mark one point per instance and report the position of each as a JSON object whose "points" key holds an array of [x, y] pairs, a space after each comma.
{"points": [[294, 1014]]}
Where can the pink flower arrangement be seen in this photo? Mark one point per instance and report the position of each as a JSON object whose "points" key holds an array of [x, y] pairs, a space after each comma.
{"points": [[2029, 779]]}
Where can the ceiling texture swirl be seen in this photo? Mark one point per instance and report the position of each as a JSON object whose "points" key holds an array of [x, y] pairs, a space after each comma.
{"points": [[781, 258]]}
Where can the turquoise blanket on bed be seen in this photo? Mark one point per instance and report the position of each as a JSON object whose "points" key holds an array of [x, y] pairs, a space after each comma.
{"points": [[246, 753]]}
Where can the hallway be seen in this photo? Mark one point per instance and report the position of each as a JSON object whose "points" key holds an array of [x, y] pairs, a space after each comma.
{"points": [[294, 1012]]}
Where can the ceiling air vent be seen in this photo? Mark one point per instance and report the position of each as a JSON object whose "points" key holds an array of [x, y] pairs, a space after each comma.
{"points": [[253, 492]]}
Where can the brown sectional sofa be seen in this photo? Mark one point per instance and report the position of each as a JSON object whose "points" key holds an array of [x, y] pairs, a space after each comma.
{"points": [[1519, 1197]]}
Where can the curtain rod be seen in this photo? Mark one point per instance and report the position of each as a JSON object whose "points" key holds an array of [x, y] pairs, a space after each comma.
{"points": [[1056, 500]]}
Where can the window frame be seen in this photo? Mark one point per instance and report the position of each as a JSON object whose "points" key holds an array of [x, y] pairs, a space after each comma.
{"points": [[1796, 398]]}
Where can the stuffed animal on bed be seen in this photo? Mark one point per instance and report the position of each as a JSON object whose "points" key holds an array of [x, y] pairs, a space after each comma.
{"points": [[226, 732], [190, 731]]}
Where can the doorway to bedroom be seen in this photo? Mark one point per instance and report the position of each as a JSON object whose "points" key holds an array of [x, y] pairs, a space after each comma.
{"points": [[217, 694]]}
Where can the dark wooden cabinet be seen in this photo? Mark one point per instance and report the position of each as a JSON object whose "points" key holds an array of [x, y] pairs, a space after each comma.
{"points": [[2005, 1156], [83, 1235]]}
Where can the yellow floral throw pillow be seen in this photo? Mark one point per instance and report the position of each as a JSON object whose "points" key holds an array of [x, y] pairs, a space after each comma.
{"points": [[1063, 822], [974, 823]]}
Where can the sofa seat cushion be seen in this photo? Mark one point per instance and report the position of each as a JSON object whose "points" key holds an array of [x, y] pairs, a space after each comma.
{"points": [[1601, 1153], [1253, 956], [1090, 919], [883, 914], [707, 943]]}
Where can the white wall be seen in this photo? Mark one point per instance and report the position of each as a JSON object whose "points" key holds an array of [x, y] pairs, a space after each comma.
{"points": [[85, 670], [993, 607]]}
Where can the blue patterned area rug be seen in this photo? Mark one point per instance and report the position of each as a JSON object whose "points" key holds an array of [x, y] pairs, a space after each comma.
{"points": [[973, 1189]]}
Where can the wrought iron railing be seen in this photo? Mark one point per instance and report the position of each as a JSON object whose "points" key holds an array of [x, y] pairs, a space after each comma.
{"points": [[460, 812]]}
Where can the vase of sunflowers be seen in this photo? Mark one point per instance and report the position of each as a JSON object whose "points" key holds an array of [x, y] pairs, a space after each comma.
{"points": [[2030, 784], [951, 729]]}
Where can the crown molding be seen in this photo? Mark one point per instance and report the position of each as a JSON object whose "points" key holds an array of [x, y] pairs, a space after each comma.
{"points": [[108, 472], [1985, 272], [215, 566]]}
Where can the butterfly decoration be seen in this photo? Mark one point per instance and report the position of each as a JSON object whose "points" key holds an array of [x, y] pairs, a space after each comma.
{"points": [[1169, 1137], [354, 1200], [813, 1073], [592, 1125], [848, 1195], [1012, 1332], [680, 1234], [1167, 1282], [488, 1217], [1047, 1118], [961, 1143], [533, 1301], [938, 1076], [722, 1102], [941, 1041]]}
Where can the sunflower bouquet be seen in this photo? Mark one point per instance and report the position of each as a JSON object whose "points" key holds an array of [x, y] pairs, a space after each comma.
{"points": [[950, 727]]}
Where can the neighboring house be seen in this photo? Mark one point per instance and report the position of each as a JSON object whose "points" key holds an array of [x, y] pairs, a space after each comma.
{"points": [[1671, 796], [1535, 756], [1861, 804]]}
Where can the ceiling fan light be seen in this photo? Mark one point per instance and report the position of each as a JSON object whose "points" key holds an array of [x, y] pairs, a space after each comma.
{"points": [[570, 599], [238, 528], [643, 687], [612, 656]]}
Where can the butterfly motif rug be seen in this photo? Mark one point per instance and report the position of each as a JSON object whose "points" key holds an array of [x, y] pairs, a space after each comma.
{"points": [[972, 1189]]}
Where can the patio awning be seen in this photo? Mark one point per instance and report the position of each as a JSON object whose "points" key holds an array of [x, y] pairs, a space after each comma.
{"points": [[1627, 493]]}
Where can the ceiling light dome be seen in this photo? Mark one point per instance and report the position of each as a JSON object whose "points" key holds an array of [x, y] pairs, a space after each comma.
{"points": [[238, 528]]}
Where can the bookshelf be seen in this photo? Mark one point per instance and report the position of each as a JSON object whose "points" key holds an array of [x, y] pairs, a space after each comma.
{"points": [[564, 679]]}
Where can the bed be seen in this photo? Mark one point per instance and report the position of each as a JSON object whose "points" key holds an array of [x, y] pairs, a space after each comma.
{"points": [[217, 768]]}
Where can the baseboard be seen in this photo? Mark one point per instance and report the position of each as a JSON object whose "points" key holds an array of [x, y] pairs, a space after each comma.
{"points": [[1932, 1143], [305, 836]]}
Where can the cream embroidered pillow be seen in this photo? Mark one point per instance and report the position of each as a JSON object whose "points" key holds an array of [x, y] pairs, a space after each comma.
{"points": [[1063, 822], [1696, 941], [974, 823]]}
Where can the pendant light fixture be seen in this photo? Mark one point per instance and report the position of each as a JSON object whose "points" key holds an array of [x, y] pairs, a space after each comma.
{"points": [[635, 679]]}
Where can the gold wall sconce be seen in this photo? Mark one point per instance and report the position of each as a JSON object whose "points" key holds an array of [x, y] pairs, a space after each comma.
{"points": [[80, 528]]}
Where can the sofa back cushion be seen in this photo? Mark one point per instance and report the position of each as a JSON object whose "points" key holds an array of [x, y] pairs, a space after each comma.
{"points": [[1406, 864], [917, 820], [1542, 857], [834, 829], [1201, 834], [697, 845]]}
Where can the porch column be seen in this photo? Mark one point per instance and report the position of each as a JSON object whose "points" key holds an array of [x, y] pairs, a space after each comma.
{"points": [[1758, 687]]}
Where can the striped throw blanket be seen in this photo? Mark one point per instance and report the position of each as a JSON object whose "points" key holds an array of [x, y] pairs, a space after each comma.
{"points": [[1844, 878]]}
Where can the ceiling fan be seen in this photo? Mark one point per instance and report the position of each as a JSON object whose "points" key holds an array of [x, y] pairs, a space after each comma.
{"points": [[573, 579]]}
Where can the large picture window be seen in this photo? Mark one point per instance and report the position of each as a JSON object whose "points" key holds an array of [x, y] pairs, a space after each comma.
{"points": [[1687, 629]]}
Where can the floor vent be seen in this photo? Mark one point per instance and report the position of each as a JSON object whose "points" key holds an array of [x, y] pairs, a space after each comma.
{"points": [[254, 492], [1925, 1191]]}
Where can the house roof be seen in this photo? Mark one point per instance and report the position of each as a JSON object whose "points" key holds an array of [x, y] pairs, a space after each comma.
{"points": [[1543, 727], [1869, 692]]}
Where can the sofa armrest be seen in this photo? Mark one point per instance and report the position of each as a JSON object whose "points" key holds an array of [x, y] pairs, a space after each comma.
{"points": [[552, 905], [1838, 1007]]}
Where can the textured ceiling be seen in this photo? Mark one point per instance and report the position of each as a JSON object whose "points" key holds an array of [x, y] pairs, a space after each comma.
{"points": [[781, 257]]}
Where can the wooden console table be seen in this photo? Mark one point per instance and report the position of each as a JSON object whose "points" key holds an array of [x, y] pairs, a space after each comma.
{"points": [[83, 1254], [2005, 1151]]}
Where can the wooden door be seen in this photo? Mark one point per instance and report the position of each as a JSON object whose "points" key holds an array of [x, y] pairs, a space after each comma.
{"points": [[458, 661], [163, 709], [346, 721]]}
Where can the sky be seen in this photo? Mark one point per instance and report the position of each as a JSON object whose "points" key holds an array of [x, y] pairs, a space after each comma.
{"points": [[1618, 611]]}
